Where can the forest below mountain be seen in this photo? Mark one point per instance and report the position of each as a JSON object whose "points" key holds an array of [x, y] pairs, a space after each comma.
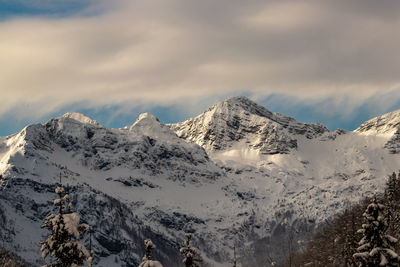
{"points": [[340, 242]]}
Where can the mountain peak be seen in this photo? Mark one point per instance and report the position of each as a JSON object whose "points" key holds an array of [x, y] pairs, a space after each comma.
{"points": [[239, 120], [241, 103], [146, 119], [147, 116], [239, 99], [148, 124], [79, 117]]}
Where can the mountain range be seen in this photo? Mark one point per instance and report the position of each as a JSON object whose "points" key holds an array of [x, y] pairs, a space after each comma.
{"points": [[237, 174]]}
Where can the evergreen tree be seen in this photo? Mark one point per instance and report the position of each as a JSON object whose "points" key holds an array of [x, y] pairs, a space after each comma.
{"points": [[63, 243], [349, 238], [147, 260], [389, 196], [376, 247], [391, 185], [392, 197], [191, 254], [337, 243]]}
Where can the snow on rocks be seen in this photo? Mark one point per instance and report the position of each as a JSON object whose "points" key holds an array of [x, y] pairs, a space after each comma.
{"points": [[236, 174], [240, 121], [80, 117], [386, 124]]}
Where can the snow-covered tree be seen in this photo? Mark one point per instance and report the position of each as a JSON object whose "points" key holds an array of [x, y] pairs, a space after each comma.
{"points": [[63, 242], [375, 247], [191, 254], [147, 260]]}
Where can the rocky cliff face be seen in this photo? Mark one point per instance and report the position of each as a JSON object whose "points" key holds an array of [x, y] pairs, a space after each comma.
{"points": [[239, 120], [236, 174], [387, 125]]}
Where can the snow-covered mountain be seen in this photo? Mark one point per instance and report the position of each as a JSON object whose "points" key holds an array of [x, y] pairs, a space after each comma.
{"points": [[238, 122], [236, 174]]}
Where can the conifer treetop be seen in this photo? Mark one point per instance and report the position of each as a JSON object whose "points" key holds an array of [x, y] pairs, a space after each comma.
{"points": [[375, 247], [191, 254], [63, 243], [147, 260]]}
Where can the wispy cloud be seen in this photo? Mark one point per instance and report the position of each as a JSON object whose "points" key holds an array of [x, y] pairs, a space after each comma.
{"points": [[166, 52], [284, 16], [335, 112]]}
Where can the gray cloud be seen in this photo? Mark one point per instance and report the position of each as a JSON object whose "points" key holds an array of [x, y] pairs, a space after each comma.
{"points": [[165, 52]]}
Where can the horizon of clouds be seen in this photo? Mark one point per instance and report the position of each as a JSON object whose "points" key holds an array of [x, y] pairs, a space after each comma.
{"points": [[135, 55]]}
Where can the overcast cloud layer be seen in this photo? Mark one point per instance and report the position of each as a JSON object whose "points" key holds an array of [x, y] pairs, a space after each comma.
{"points": [[162, 52]]}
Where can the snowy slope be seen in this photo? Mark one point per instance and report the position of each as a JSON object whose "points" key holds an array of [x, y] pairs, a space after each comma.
{"points": [[145, 165], [322, 167], [236, 174]]}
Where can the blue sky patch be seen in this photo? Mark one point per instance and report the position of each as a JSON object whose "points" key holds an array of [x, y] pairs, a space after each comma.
{"points": [[59, 8]]}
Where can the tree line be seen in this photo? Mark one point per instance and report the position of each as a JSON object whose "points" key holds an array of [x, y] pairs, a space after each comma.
{"points": [[363, 235]]}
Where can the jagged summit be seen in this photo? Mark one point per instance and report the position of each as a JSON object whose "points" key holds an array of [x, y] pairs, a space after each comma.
{"points": [[79, 117], [240, 120], [241, 102], [146, 118], [243, 106], [388, 123]]}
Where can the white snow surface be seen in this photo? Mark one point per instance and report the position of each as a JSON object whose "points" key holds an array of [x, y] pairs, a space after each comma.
{"points": [[233, 161], [79, 117]]}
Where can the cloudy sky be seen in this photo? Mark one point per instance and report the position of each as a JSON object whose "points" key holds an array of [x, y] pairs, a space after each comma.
{"points": [[333, 62]]}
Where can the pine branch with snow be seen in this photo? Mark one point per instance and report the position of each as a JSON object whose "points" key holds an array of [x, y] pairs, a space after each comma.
{"points": [[191, 254], [376, 247], [147, 260], [63, 243]]}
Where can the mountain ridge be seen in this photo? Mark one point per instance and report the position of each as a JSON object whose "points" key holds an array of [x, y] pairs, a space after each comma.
{"points": [[388, 123], [237, 175], [232, 119]]}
